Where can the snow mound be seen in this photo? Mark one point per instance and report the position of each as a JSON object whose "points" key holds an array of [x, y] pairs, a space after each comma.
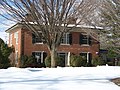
{"points": [[68, 78]]}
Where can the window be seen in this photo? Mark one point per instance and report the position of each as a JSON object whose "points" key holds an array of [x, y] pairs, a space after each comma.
{"points": [[36, 39], [66, 39], [16, 57], [84, 55], [87, 56], [40, 56], [63, 59], [10, 39], [85, 39], [16, 37]]}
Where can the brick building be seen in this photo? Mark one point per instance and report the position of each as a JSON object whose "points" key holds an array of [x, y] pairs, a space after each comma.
{"points": [[74, 42]]}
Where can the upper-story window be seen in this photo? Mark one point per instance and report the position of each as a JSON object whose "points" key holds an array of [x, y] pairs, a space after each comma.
{"points": [[66, 39], [36, 39], [85, 39], [10, 39], [16, 37]]}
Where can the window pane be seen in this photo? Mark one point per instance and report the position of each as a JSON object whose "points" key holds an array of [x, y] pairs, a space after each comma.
{"points": [[11, 39], [84, 39], [84, 55], [36, 39], [16, 58], [39, 56], [65, 39]]}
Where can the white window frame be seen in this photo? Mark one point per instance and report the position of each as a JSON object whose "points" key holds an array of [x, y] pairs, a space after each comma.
{"points": [[16, 57], [41, 59], [66, 40], [16, 37], [87, 43], [87, 58], [36, 37], [66, 57], [11, 39]]}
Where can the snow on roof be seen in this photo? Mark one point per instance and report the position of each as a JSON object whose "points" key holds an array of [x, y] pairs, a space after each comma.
{"points": [[69, 25], [85, 26]]}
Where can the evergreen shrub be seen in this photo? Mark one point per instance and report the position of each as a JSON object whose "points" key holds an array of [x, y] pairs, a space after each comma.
{"points": [[98, 61], [77, 61], [26, 61], [48, 61], [59, 61]]}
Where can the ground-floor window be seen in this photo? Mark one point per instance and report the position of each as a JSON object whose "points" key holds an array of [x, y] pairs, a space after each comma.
{"points": [[64, 58], [87, 56], [16, 57], [39, 55]]}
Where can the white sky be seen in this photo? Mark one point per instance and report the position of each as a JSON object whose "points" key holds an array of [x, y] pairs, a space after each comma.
{"points": [[4, 36], [68, 78], [4, 25]]}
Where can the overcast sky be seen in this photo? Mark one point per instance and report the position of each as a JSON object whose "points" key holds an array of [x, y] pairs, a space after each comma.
{"points": [[4, 25]]}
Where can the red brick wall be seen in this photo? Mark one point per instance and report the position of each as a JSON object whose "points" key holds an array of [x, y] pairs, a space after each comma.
{"points": [[26, 47], [29, 46], [17, 47], [75, 47]]}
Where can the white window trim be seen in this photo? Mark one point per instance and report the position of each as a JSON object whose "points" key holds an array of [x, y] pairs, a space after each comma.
{"points": [[38, 43], [66, 58], [85, 45], [87, 56], [16, 37], [41, 55], [16, 57], [87, 40], [68, 61], [66, 39], [11, 39], [64, 44]]}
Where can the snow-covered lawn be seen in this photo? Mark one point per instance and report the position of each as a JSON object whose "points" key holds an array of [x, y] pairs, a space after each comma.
{"points": [[69, 78]]}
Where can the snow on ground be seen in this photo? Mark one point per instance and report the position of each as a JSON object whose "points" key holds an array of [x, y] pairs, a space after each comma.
{"points": [[69, 78]]}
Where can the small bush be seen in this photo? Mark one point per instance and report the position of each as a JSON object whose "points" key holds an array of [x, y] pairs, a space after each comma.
{"points": [[31, 62], [5, 66], [98, 61], [59, 61], [77, 61], [26, 61], [23, 60], [119, 63], [4, 63], [111, 63], [48, 61]]}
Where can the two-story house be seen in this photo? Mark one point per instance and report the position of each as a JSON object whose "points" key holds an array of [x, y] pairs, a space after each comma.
{"points": [[76, 42]]}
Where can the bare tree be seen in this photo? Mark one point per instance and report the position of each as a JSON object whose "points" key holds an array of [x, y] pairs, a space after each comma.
{"points": [[110, 20], [50, 17]]}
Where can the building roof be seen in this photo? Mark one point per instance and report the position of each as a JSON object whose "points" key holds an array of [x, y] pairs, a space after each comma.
{"points": [[18, 25]]}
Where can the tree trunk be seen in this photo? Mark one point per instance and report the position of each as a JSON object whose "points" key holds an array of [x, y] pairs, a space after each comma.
{"points": [[53, 53]]}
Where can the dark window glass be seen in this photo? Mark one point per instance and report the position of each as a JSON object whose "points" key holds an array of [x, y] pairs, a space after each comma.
{"points": [[38, 56], [36, 39], [66, 39], [85, 39]]}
